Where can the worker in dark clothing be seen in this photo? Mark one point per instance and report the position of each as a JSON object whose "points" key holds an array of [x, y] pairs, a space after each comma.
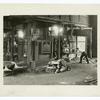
{"points": [[81, 55], [84, 54]]}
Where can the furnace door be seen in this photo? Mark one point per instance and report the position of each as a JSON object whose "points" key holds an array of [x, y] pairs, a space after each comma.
{"points": [[81, 43]]}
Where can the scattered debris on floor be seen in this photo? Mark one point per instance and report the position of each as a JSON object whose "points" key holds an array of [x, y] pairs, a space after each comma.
{"points": [[57, 66], [54, 66], [60, 65], [39, 69], [11, 68], [89, 80], [77, 59], [93, 60]]}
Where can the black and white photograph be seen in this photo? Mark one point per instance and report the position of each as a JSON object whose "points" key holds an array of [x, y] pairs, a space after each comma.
{"points": [[50, 50]]}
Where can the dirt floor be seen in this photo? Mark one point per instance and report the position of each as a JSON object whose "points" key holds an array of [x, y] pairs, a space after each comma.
{"points": [[80, 74]]}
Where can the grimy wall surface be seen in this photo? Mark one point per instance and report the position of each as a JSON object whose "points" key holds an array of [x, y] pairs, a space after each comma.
{"points": [[93, 24]]}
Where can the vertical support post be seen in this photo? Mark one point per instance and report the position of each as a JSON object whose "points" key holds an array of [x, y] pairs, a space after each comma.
{"points": [[36, 50], [91, 43], [76, 45], [30, 61], [58, 46], [51, 47], [12, 44]]}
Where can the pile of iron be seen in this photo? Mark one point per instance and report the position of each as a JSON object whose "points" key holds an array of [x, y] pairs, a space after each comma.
{"points": [[57, 66]]}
